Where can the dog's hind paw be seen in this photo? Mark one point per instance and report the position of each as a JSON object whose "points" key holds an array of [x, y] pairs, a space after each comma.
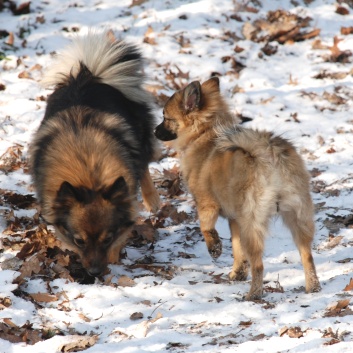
{"points": [[241, 274]]}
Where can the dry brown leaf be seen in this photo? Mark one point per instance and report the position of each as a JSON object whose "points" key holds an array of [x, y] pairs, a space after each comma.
{"points": [[137, 2], [24, 74], [156, 318], [341, 10], [33, 265], [258, 337], [149, 36], [36, 67], [183, 42], [145, 229], [146, 302], [282, 331], [346, 31], [8, 334], [295, 332], [43, 297], [277, 289], [331, 75], [22, 9], [184, 255], [166, 272], [317, 44], [338, 55], [333, 242], [331, 342], [84, 317], [136, 316], [238, 49], [5, 303], [78, 343], [349, 286], [40, 19], [280, 26], [28, 249], [339, 308], [9, 322], [292, 332], [125, 281], [120, 333], [245, 323], [141, 329], [62, 260], [11, 39], [342, 304]]}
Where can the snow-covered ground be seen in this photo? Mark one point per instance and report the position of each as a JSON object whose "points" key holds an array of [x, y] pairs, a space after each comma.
{"points": [[182, 301]]}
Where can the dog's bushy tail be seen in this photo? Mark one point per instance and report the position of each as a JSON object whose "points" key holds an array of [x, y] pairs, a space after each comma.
{"points": [[113, 62], [262, 145]]}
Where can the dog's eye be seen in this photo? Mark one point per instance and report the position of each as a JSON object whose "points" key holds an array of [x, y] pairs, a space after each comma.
{"points": [[79, 242], [108, 240], [129, 224]]}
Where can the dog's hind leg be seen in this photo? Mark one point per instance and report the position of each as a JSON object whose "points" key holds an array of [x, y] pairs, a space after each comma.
{"points": [[240, 268], [149, 193], [208, 214], [302, 227], [253, 245], [253, 228]]}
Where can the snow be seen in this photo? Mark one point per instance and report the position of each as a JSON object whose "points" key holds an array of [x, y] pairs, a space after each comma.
{"points": [[192, 311]]}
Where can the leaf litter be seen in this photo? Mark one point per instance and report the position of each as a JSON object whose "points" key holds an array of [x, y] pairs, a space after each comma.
{"points": [[34, 254]]}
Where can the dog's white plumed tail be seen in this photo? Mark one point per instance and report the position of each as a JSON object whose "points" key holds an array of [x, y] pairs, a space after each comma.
{"points": [[115, 63]]}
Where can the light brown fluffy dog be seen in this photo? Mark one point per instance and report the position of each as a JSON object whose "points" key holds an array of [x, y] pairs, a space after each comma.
{"points": [[244, 175]]}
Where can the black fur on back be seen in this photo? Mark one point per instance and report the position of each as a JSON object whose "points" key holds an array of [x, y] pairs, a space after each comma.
{"points": [[87, 91]]}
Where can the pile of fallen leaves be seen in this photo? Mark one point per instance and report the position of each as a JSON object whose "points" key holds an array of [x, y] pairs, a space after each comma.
{"points": [[40, 255], [280, 26]]}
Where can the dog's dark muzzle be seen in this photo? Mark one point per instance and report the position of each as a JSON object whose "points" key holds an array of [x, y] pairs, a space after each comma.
{"points": [[163, 134]]}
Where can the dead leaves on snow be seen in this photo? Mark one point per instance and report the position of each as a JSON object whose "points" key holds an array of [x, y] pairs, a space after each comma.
{"points": [[298, 332], [12, 159], [78, 343], [40, 253], [281, 26], [337, 100], [292, 332], [349, 286], [339, 309], [26, 333]]}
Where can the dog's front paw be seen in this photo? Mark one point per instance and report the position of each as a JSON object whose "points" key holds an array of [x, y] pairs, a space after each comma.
{"points": [[313, 286], [213, 242], [152, 201], [154, 204]]}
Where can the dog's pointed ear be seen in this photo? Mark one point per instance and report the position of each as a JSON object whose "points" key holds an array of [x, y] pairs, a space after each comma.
{"points": [[67, 192], [212, 84], [192, 96], [117, 192]]}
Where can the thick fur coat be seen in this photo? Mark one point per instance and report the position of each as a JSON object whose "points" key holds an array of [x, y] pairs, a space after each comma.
{"points": [[244, 175], [93, 147]]}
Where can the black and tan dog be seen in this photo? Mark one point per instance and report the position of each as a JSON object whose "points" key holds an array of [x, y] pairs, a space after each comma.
{"points": [[244, 175], [93, 147]]}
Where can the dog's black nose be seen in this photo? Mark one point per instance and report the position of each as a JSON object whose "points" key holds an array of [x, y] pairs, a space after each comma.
{"points": [[95, 271]]}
